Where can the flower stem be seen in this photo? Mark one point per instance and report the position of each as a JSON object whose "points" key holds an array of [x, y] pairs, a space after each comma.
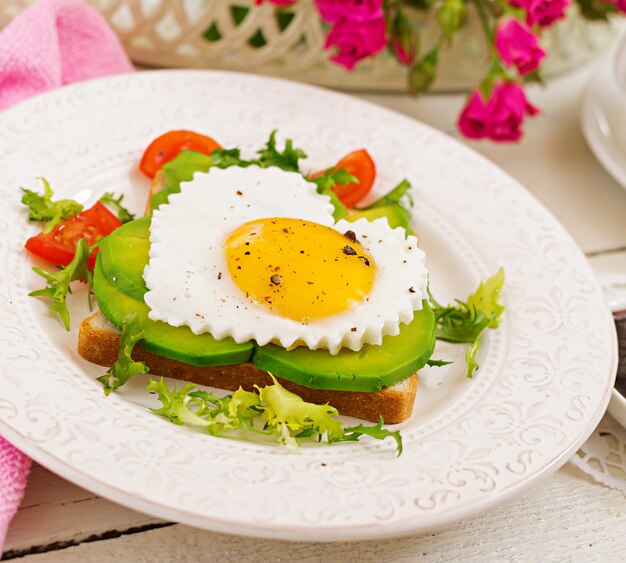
{"points": [[484, 20]]}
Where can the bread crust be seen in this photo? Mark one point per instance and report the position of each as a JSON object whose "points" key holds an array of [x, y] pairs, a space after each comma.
{"points": [[98, 342]]}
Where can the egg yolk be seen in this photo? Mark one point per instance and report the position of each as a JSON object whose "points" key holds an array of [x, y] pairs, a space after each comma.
{"points": [[299, 269]]}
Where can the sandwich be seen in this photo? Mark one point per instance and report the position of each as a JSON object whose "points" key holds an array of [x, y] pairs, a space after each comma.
{"points": [[316, 302]]}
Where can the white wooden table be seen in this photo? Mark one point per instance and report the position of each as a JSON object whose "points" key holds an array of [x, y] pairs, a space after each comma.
{"points": [[567, 517]]}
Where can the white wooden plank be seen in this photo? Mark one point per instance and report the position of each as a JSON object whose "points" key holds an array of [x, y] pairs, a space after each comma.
{"points": [[567, 518], [54, 510]]}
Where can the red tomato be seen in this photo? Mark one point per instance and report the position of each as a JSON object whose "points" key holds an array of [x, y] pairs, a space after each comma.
{"points": [[57, 246], [360, 164], [168, 146]]}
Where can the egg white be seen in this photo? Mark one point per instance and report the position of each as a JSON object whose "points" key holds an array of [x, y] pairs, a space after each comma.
{"points": [[189, 282]]}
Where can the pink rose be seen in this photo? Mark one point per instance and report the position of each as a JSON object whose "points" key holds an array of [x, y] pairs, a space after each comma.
{"points": [[500, 118], [518, 46], [543, 12], [334, 11], [404, 53], [356, 40]]}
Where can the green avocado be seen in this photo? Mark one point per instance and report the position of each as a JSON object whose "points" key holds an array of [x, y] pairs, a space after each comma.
{"points": [[177, 343], [124, 255], [369, 369], [396, 215], [139, 228], [122, 260]]}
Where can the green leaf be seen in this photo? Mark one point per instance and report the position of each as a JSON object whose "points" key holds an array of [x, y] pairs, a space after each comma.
{"points": [[400, 195], [325, 183], [423, 72], [278, 412], [58, 283], [487, 298], [470, 358], [596, 10], [125, 367], [42, 208], [122, 213], [175, 404], [438, 363], [288, 159], [377, 432], [288, 413], [459, 323], [464, 322]]}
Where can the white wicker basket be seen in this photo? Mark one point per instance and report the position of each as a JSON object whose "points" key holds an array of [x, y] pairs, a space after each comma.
{"points": [[171, 33]]}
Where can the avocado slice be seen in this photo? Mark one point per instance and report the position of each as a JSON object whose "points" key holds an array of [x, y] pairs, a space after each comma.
{"points": [[139, 228], [123, 260], [368, 370], [124, 255], [177, 343], [396, 215]]}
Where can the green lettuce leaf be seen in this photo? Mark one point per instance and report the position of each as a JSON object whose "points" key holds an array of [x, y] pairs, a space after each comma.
{"points": [[175, 404], [273, 411], [325, 183], [42, 208], [353, 433], [465, 321], [400, 195], [58, 283], [287, 159], [289, 414], [487, 298], [122, 213], [125, 367]]}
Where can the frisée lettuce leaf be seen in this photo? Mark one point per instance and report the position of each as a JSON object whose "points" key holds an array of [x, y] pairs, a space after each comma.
{"points": [[42, 208], [465, 321], [125, 367], [58, 283], [272, 410]]}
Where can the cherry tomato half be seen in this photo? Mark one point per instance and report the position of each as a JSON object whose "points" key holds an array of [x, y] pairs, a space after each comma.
{"points": [[57, 246], [360, 164], [168, 146]]}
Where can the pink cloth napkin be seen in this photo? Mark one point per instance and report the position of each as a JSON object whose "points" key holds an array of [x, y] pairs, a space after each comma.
{"points": [[53, 43], [14, 466]]}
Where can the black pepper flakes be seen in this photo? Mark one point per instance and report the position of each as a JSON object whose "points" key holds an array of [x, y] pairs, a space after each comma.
{"points": [[349, 250], [239, 192], [364, 260], [411, 290], [350, 235], [353, 329], [247, 253], [219, 276], [276, 279]]}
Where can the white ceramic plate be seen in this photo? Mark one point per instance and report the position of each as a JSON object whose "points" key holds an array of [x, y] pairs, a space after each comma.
{"points": [[603, 114], [614, 286], [546, 375]]}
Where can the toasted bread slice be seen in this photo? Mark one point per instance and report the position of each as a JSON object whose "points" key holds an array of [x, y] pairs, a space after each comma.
{"points": [[99, 340]]}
